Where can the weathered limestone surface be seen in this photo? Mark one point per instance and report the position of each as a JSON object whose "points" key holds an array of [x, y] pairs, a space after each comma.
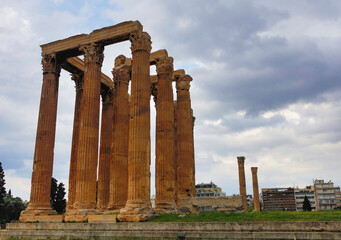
{"points": [[176, 151], [78, 78], [242, 184], [221, 204], [120, 138], [44, 148], [170, 230], [77, 65], [185, 160], [105, 149], [165, 144], [108, 35], [255, 189], [85, 199], [138, 206]]}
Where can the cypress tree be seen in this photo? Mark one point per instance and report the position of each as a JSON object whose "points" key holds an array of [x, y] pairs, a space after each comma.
{"points": [[306, 204]]}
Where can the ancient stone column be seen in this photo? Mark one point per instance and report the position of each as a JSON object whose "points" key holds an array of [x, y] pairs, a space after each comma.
{"points": [[78, 78], [175, 151], [242, 185], [255, 189], [45, 139], [193, 152], [86, 177], [138, 205], [185, 160], [120, 138], [165, 141], [105, 149]]}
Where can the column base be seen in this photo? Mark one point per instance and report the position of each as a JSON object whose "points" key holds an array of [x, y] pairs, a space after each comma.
{"points": [[34, 210], [136, 211], [114, 208], [165, 207], [79, 215]]}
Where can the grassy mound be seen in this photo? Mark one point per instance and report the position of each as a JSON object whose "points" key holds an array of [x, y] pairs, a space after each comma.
{"points": [[251, 216]]}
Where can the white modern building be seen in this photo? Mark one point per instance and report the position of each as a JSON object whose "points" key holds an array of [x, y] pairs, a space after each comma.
{"points": [[325, 194]]}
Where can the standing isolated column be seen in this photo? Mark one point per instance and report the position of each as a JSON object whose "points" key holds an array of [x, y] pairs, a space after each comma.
{"points": [[85, 199], [45, 139], [138, 207], [105, 149], [185, 160], [78, 78], [242, 185], [255, 189], [119, 155], [165, 141]]}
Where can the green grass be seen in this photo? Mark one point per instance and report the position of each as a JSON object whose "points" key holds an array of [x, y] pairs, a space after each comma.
{"points": [[251, 216]]}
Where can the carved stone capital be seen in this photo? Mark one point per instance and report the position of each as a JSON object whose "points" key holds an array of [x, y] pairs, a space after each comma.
{"points": [[140, 41], [241, 160], [121, 74], [107, 94], [50, 65], [183, 82], [93, 53], [254, 170], [164, 65], [153, 91], [78, 78], [120, 60]]}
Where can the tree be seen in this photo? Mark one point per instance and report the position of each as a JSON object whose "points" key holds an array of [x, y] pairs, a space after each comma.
{"points": [[53, 191], [57, 195], [2, 192], [2, 184], [60, 202], [306, 204], [13, 208]]}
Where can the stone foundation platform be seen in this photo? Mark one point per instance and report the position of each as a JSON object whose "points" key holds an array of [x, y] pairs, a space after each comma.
{"points": [[150, 230]]}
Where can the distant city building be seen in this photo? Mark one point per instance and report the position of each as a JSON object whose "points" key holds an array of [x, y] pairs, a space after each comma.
{"points": [[325, 194], [338, 199], [249, 199], [301, 193], [280, 199], [208, 190]]}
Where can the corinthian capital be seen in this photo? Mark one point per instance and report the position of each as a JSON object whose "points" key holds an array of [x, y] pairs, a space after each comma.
{"points": [[241, 160], [93, 53], [164, 65], [50, 65], [107, 94], [140, 41], [121, 74], [78, 78], [183, 82]]}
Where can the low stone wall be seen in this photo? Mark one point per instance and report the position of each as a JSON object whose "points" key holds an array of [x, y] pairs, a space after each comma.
{"points": [[172, 230], [220, 204]]}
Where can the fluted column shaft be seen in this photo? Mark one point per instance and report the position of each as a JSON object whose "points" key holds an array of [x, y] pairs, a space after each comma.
{"points": [[138, 204], [165, 142], [105, 149], [120, 139], [256, 203], [185, 160], [175, 150], [89, 129], [242, 184], [45, 140], [78, 78]]}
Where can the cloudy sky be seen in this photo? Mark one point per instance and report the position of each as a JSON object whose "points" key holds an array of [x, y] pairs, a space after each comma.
{"points": [[266, 82]]}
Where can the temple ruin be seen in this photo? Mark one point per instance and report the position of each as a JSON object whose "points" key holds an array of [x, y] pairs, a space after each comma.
{"points": [[125, 145]]}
